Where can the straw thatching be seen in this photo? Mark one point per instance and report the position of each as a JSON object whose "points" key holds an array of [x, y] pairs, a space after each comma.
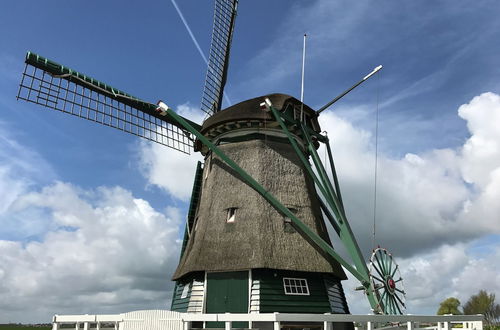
{"points": [[259, 237]]}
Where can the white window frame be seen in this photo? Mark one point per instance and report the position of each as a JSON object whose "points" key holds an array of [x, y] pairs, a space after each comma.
{"points": [[295, 283]]}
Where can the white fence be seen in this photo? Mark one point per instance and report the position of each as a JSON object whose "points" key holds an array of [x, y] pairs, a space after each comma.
{"points": [[168, 320]]}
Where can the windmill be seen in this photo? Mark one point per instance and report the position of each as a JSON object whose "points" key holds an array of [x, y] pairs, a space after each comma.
{"points": [[255, 237]]}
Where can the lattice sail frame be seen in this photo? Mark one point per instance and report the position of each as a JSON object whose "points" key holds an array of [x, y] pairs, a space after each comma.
{"points": [[218, 61], [56, 87]]}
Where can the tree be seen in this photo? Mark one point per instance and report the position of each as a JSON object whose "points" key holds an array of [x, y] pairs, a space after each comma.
{"points": [[483, 303], [449, 306]]}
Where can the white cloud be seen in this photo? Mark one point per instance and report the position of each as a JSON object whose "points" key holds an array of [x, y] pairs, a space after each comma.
{"points": [[481, 152], [429, 278], [106, 252], [431, 206], [167, 169], [423, 200], [20, 170]]}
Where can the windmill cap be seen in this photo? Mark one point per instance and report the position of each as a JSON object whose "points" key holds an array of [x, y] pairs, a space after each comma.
{"points": [[250, 110]]}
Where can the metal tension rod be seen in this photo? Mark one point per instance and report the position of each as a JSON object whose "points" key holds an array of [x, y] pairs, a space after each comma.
{"points": [[326, 106]]}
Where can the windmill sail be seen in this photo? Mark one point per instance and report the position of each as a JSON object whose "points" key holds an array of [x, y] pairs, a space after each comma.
{"points": [[218, 61], [57, 87]]}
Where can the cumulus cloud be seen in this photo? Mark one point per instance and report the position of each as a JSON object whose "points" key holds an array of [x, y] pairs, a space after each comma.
{"points": [[170, 170], [432, 208], [425, 200], [106, 251], [20, 170]]}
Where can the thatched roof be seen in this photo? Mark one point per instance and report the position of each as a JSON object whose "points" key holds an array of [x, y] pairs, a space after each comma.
{"points": [[259, 237], [249, 113], [250, 110]]}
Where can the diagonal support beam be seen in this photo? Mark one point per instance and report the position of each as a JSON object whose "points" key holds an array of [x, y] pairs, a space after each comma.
{"points": [[334, 202]]}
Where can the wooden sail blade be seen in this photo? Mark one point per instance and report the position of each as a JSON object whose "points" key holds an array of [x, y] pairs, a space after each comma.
{"points": [[57, 87], [218, 61]]}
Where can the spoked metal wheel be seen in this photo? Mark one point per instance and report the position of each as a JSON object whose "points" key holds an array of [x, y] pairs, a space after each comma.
{"points": [[387, 283]]}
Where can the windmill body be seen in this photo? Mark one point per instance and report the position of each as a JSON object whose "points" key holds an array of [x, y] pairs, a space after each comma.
{"points": [[255, 238], [241, 244]]}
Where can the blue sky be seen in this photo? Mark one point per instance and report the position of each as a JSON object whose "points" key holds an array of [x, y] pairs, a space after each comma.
{"points": [[65, 180]]}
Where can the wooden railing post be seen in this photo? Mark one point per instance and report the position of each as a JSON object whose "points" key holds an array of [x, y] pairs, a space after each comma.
{"points": [[328, 325], [276, 323]]}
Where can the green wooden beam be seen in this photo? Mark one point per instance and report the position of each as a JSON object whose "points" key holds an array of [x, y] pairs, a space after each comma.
{"points": [[303, 159], [345, 232]]}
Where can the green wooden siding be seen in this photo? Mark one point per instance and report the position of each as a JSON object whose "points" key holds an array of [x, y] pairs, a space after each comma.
{"points": [[181, 304], [336, 295], [274, 299]]}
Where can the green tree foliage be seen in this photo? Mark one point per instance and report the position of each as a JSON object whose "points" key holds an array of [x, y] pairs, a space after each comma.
{"points": [[449, 306], [483, 303]]}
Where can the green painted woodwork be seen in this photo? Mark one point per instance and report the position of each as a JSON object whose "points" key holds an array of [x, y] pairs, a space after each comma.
{"points": [[273, 298], [287, 115], [227, 292], [193, 205], [335, 204], [78, 78], [334, 174], [252, 136], [181, 304]]}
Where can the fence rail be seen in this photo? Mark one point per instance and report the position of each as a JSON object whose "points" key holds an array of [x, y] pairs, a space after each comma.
{"points": [[162, 319]]}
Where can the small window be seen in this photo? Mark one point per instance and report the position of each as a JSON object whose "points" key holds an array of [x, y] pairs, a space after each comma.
{"points": [[231, 214], [185, 291], [295, 286]]}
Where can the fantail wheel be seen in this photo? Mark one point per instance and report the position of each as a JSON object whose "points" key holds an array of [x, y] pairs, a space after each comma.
{"points": [[387, 282]]}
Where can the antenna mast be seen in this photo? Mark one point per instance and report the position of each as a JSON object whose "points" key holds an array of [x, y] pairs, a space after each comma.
{"points": [[302, 82]]}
